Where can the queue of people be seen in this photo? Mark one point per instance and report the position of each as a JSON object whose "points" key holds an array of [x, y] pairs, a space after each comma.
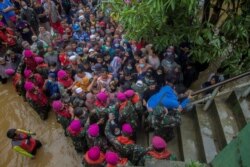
{"points": [[74, 58]]}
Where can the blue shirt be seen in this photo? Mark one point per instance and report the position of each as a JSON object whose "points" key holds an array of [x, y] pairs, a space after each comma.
{"points": [[52, 88], [80, 36], [166, 97], [4, 5]]}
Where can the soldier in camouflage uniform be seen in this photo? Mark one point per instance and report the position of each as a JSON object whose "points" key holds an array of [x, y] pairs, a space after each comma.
{"points": [[37, 99], [161, 120], [139, 87], [157, 152], [123, 144], [42, 68], [18, 79], [103, 109], [94, 138], [94, 157], [63, 113], [77, 134], [127, 113], [113, 159], [77, 99]]}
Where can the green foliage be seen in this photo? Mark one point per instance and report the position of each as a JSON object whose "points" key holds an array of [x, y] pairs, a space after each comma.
{"points": [[170, 22], [194, 164]]}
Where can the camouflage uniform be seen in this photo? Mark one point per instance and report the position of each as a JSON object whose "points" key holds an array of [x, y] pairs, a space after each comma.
{"points": [[128, 115], [79, 141], [160, 121], [140, 90], [103, 112], [19, 82], [63, 121], [43, 70], [132, 151], [99, 141], [148, 157], [77, 101]]}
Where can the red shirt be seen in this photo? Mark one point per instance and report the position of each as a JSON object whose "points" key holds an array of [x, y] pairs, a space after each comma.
{"points": [[7, 37]]}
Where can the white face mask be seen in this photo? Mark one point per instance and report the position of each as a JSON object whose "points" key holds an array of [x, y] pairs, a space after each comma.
{"points": [[142, 65], [25, 7]]}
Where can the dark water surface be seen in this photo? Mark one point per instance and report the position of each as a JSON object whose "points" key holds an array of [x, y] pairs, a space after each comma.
{"points": [[57, 149]]}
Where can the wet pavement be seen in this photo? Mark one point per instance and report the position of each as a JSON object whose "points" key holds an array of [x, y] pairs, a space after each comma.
{"points": [[57, 149]]}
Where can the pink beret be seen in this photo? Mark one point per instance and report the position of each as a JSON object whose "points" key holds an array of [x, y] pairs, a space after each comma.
{"points": [[28, 86], [94, 153], [102, 96], [57, 105], [112, 158], [121, 96], [75, 125], [1, 24], [127, 129], [27, 53], [27, 73], [9, 71], [129, 93], [93, 130], [61, 74], [158, 142], [38, 60]]}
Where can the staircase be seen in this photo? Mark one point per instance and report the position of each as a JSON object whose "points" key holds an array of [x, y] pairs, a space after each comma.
{"points": [[203, 134]]}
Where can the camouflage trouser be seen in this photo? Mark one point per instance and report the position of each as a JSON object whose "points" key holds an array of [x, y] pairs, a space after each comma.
{"points": [[79, 143], [41, 110], [133, 152], [63, 121]]}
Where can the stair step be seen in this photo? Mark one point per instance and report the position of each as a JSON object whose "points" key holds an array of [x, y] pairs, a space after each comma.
{"points": [[227, 120], [244, 103], [161, 163], [208, 131], [190, 138], [174, 145]]}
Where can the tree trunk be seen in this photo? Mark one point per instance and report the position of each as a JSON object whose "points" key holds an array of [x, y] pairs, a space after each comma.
{"points": [[216, 12], [206, 11]]}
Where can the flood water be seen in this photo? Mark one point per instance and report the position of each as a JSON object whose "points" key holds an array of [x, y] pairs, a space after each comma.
{"points": [[57, 149]]}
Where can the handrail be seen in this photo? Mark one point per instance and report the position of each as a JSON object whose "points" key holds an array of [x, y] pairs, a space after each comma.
{"points": [[221, 83]]}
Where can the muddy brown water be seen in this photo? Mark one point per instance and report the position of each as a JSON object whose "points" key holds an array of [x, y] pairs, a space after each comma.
{"points": [[57, 149]]}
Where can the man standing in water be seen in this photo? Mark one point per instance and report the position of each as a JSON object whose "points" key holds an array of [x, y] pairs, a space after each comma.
{"points": [[23, 143]]}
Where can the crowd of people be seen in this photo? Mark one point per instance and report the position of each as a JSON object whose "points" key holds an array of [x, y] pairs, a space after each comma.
{"points": [[74, 58]]}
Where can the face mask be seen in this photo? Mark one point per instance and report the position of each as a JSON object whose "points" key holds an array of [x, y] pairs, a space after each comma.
{"points": [[142, 65], [117, 132], [117, 45], [25, 7], [97, 38], [130, 67], [125, 47], [107, 48], [101, 39], [159, 72], [169, 53], [92, 31]]}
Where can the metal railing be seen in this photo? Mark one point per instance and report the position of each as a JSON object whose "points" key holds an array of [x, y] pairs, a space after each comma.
{"points": [[216, 87]]}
